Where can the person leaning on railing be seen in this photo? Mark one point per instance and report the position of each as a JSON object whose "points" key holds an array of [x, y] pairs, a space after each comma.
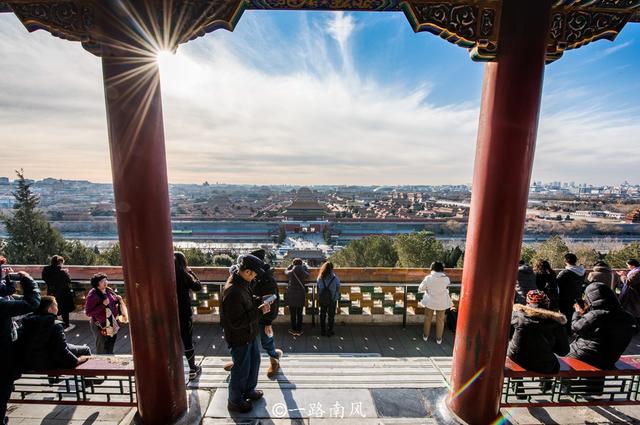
{"points": [[59, 285], [186, 282], [295, 297], [546, 282], [630, 294], [10, 308], [436, 299], [328, 295], [603, 273]]}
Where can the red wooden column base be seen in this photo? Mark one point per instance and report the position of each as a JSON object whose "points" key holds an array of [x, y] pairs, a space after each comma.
{"points": [[136, 136], [504, 158]]}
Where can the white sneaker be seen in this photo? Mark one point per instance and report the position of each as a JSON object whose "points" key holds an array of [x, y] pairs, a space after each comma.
{"points": [[70, 327], [425, 338], [439, 341]]}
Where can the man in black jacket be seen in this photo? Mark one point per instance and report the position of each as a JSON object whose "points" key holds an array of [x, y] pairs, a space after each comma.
{"points": [[265, 285], [570, 282], [239, 315], [43, 341], [9, 308]]}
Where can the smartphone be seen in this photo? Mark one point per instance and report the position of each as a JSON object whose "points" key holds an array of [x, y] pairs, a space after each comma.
{"points": [[269, 299]]}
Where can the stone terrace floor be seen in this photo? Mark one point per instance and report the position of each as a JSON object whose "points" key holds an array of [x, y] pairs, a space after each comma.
{"points": [[386, 371], [384, 340]]}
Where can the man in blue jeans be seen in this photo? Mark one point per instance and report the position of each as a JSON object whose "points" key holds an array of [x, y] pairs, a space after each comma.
{"points": [[239, 315], [265, 285]]}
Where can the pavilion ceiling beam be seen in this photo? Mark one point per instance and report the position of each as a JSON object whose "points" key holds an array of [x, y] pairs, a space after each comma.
{"points": [[165, 24]]}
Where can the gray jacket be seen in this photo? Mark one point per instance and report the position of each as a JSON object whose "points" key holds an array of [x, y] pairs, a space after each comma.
{"points": [[296, 291]]}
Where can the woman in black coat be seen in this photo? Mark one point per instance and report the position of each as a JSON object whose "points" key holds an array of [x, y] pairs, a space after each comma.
{"points": [[539, 334], [296, 294], [186, 281], [602, 328], [59, 286]]}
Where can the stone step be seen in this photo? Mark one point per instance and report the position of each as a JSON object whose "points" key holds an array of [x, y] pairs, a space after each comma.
{"points": [[312, 385], [331, 371]]}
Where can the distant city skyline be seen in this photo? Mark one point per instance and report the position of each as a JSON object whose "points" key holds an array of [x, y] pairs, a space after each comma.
{"points": [[316, 99], [576, 184]]}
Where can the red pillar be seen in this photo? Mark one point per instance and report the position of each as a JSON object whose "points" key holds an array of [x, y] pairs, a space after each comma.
{"points": [[504, 158], [138, 163]]}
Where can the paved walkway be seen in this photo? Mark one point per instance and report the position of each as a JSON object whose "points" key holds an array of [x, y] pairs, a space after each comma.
{"points": [[385, 340], [363, 375]]}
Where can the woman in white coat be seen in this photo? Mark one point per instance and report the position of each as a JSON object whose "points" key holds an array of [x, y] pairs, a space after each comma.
{"points": [[436, 298]]}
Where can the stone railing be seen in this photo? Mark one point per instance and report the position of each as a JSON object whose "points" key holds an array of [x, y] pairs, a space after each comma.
{"points": [[387, 295]]}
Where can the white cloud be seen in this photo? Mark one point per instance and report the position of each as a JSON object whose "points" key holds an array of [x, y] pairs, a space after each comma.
{"points": [[268, 106]]}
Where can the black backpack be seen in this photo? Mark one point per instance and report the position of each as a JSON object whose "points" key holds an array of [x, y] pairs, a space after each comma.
{"points": [[326, 298]]}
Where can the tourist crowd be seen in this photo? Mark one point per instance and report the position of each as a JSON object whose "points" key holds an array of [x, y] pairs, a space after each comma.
{"points": [[573, 314], [588, 317]]}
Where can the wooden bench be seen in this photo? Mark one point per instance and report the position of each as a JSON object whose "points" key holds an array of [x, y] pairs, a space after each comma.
{"points": [[101, 381], [573, 385]]}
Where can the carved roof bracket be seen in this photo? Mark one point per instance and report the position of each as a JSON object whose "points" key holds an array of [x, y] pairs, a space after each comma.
{"points": [[575, 23], [469, 23], [475, 24], [145, 26], [129, 27]]}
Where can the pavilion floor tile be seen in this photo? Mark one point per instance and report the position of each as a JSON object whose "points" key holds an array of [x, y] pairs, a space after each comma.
{"points": [[574, 415], [44, 412], [296, 404]]}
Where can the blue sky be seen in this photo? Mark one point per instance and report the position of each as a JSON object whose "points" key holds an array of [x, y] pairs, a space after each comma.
{"points": [[317, 98]]}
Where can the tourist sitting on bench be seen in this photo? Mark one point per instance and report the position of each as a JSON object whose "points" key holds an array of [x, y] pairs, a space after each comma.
{"points": [[602, 329], [538, 334], [44, 343]]}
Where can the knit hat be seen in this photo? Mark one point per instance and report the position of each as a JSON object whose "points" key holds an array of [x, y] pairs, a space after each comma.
{"points": [[538, 298], [260, 253], [250, 262]]}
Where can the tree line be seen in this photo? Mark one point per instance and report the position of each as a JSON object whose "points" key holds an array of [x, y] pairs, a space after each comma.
{"points": [[420, 249]]}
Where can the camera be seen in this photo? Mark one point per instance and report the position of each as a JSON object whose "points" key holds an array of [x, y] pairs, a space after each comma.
{"points": [[14, 277]]}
